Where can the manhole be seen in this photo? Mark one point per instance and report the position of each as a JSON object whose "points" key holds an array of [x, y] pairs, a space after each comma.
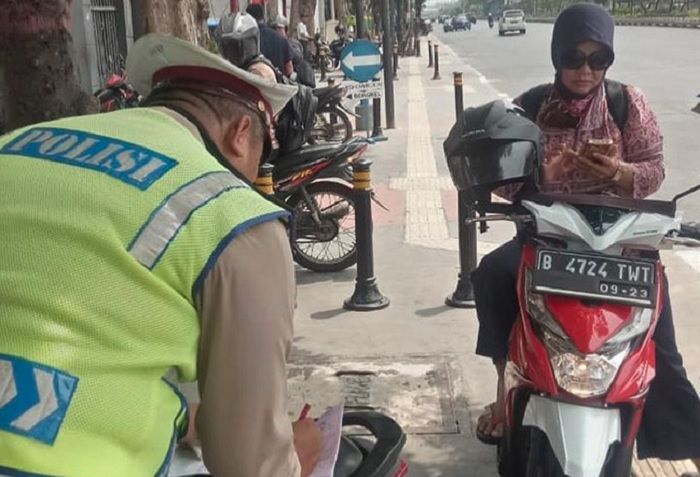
{"points": [[416, 391]]}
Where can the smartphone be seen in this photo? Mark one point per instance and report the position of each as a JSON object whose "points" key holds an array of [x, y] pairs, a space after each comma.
{"points": [[601, 146]]}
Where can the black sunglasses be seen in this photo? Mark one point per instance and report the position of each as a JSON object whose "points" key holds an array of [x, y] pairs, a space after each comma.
{"points": [[575, 59]]}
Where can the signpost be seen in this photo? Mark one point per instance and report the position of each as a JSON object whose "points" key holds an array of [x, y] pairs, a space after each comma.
{"points": [[361, 61], [369, 90]]}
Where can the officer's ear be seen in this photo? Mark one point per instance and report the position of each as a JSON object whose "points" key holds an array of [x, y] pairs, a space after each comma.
{"points": [[238, 145]]}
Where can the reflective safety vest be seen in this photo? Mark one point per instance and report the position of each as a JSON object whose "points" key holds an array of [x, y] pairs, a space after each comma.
{"points": [[108, 226]]}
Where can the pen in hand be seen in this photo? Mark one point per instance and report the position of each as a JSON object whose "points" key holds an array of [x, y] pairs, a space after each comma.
{"points": [[305, 411]]}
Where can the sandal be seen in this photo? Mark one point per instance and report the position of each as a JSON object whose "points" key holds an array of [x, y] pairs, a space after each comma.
{"points": [[488, 415]]}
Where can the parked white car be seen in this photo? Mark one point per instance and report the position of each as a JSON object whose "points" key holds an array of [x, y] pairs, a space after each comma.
{"points": [[511, 20]]}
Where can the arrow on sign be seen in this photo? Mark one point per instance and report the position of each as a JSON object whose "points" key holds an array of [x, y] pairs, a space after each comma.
{"points": [[352, 61]]}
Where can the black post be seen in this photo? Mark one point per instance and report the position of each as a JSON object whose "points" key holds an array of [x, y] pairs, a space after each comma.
{"points": [[436, 76], [386, 61], [463, 296], [430, 54], [396, 61], [323, 69], [417, 46], [361, 31], [366, 296], [377, 133]]}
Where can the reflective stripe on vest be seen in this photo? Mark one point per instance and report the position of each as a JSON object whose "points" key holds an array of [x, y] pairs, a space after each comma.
{"points": [[165, 222]]}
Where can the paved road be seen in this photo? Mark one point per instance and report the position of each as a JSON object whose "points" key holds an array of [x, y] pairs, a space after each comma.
{"points": [[663, 62]]}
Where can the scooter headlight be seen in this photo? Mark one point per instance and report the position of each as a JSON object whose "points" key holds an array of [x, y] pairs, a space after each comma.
{"points": [[586, 375]]}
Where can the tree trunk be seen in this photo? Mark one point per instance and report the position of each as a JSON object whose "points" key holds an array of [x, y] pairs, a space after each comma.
{"points": [[39, 81], [307, 8], [342, 11], [186, 19], [272, 10]]}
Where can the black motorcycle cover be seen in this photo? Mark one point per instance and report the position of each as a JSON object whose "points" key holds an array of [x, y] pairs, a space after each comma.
{"points": [[296, 120]]}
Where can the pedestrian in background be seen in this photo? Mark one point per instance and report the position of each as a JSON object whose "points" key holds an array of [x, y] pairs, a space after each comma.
{"points": [[273, 46]]}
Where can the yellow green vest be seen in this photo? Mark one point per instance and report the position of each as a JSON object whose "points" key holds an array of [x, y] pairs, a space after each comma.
{"points": [[108, 226]]}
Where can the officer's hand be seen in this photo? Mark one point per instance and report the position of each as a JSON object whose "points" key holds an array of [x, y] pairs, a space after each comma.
{"points": [[307, 441]]}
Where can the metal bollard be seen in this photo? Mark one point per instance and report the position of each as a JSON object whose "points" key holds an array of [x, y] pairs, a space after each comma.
{"points": [[366, 296], [396, 61], [463, 296], [323, 70], [418, 47], [377, 133], [264, 183], [436, 76], [430, 54], [331, 81]]}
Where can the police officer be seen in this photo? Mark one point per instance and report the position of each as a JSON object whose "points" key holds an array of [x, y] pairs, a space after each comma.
{"points": [[132, 244]]}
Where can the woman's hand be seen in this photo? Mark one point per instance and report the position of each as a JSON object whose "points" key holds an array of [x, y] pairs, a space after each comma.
{"points": [[560, 162], [307, 441], [602, 166]]}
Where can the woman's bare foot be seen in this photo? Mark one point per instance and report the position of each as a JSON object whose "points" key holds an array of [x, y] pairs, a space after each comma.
{"points": [[489, 429]]}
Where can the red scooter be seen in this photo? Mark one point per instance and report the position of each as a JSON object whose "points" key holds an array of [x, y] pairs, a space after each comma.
{"points": [[590, 289]]}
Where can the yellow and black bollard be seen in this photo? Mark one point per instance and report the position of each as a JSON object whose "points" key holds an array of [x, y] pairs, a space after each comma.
{"points": [[436, 62], [463, 296], [264, 183], [430, 54], [366, 296]]}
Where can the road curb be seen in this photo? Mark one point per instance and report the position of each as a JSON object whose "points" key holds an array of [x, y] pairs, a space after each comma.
{"points": [[651, 21]]}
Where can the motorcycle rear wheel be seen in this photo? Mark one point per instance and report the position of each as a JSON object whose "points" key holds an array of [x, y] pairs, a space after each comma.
{"points": [[331, 125], [331, 246]]}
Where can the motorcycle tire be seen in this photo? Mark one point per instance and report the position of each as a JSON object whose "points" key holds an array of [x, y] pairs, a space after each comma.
{"points": [[331, 125], [303, 254], [327, 64]]}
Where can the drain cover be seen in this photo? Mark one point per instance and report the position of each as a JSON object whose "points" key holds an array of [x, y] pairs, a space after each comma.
{"points": [[415, 391]]}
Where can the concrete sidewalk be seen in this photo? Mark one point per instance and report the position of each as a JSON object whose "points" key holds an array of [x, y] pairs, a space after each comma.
{"points": [[414, 360]]}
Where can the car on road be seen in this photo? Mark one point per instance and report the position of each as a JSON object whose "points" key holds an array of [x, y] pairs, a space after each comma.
{"points": [[447, 25], [511, 20], [461, 22]]}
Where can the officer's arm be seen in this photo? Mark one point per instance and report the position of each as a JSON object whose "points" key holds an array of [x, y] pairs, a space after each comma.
{"points": [[246, 307]]}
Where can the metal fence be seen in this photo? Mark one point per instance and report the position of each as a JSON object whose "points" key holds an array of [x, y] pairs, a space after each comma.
{"points": [[105, 18]]}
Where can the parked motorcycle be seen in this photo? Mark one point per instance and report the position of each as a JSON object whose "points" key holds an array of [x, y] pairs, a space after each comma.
{"points": [[332, 120], [314, 182], [323, 59], [117, 93], [590, 287]]}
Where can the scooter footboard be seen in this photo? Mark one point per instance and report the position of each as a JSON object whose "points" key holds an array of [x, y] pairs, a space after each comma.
{"points": [[580, 436]]}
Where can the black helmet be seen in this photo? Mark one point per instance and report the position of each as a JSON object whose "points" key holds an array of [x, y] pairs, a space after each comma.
{"points": [[238, 37], [493, 145]]}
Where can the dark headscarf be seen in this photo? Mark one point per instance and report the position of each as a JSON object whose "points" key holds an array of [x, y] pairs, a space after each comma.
{"points": [[578, 23]]}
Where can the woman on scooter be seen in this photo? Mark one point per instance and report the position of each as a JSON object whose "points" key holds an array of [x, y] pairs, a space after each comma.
{"points": [[572, 111]]}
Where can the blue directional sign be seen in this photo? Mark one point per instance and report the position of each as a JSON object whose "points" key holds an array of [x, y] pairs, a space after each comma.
{"points": [[361, 60]]}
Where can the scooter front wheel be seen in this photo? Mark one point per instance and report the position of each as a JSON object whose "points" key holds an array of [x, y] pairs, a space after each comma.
{"points": [[323, 226]]}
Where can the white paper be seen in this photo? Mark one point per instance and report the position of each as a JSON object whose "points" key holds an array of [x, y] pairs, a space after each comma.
{"points": [[187, 461], [331, 424]]}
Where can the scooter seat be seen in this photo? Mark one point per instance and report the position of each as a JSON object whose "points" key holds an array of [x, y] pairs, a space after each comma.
{"points": [[326, 92], [306, 154]]}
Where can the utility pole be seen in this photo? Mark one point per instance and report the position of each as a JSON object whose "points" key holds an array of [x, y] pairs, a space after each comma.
{"points": [[360, 30], [388, 65]]}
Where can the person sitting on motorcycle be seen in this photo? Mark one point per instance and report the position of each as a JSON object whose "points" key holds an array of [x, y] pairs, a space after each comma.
{"points": [[490, 19], [273, 45], [571, 111]]}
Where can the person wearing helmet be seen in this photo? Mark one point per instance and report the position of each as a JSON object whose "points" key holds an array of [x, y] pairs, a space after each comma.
{"points": [[303, 71], [238, 38], [136, 245], [272, 45], [580, 105]]}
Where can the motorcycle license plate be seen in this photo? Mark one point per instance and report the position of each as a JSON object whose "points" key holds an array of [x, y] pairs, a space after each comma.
{"points": [[628, 281]]}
